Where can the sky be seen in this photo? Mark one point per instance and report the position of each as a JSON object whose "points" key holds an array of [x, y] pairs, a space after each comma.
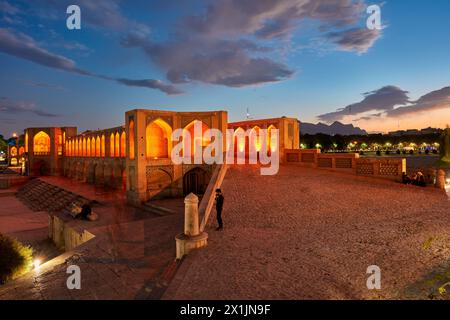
{"points": [[315, 60]]}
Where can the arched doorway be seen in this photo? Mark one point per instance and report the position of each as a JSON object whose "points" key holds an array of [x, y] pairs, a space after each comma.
{"points": [[41, 144], [158, 134], [195, 181]]}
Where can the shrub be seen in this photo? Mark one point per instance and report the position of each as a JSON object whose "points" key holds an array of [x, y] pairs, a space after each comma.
{"points": [[378, 153], [435, 151], [427, 151], [16, 259], [388, 152], [398, 151], [411, 151]]}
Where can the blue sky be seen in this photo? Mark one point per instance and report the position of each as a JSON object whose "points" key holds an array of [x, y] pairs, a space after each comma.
{"points": [[314, 60]]}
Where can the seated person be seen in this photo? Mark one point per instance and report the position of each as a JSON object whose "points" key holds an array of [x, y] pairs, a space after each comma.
{"points": [[405, 178]]}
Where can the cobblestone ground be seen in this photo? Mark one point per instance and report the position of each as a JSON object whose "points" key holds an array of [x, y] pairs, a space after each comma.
{"points": [[309, 234], [131, 257]]}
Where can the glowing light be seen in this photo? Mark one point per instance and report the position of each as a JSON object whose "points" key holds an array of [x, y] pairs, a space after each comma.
{"points": [[37, 264]]}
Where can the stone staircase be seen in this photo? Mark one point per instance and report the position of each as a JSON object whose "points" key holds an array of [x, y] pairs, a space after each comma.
{"points": [[41, 196]]}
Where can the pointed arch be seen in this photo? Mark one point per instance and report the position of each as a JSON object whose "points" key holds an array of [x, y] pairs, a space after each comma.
{"points": [[256, 132], [117, 145], [271, 140], [102, 147], [97, 147], [111, 145], [83, 153], [158, 133], [88, 147], [239, 139], [41, 143], [123, 141], [190, 128]]}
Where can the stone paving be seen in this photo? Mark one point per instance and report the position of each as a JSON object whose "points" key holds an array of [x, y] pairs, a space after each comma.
{"points": [[131, 257], [311, 234]]}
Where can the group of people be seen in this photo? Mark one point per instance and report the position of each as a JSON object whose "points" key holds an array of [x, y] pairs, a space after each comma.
{"points": [[417, 179]]}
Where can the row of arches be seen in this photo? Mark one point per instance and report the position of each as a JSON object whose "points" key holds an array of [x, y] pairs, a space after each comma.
{"points": [[158, 143], [105, 174], [242, 140], [14, 151], [95, 146]]}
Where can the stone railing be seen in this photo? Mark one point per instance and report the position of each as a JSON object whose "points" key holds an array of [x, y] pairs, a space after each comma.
{"points": [[391, 168]]}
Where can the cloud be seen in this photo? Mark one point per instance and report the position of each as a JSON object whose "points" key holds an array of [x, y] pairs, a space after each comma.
{"points": [[222, 62], [8, 9], [22, 46], [152, 84], [271, 18], [383, 99], [435, 100], [225, 43], [11, 107], [43, 85], [356, 39], [392, 102], [103, 14]]}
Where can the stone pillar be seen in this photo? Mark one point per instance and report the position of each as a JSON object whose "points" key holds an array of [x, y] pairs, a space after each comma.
{"points": [[440, 179], [192, 238]]}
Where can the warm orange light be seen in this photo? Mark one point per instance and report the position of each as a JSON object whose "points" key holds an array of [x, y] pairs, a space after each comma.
{"points": [[41, 143]]}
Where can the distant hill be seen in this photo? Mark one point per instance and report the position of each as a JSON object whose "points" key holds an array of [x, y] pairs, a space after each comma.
{"points": [[332, 129]]}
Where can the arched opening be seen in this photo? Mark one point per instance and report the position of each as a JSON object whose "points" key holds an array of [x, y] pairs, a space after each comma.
{"points": [[239, 140], [196, 181], [41, 144], [13, 152], [76, 147], [271, 139], [102, 152], [117, 145], [111, 145], [93, 154], [131, 139], [83, 153], [196, 141], [123, 145], [158, 134], [88, 147], [21, 151], [97, 147], [255, 138]]}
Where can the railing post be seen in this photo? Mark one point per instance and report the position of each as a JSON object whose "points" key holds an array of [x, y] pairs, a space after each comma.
{"points": [[192, 238]]}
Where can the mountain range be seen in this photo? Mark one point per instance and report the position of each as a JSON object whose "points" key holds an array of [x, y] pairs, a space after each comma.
{"points": [[332, 129]]}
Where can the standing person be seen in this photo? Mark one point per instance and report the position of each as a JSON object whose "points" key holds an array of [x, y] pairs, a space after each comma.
{"points": [[219, 207]]}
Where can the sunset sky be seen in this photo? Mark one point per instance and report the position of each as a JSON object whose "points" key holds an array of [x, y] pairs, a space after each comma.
{"points": [[313, 60]]}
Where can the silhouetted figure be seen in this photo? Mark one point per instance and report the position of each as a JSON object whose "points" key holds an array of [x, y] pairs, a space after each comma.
{"points": [[219, 207], [405, 178], [86, 210], [421, 180]]}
